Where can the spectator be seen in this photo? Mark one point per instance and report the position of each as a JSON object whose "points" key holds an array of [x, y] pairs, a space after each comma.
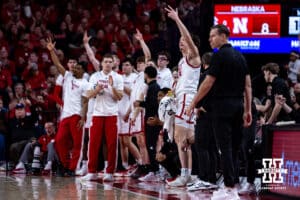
{"points": [[5, 84], [7, 63], [293, 67], [33, 77], [279, 87], [36, 149], [22, 130]]}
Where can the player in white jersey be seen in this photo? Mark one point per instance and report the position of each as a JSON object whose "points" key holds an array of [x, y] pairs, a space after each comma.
{"points": [[70, 128], [90, 107], [137, 114], [107, 87], [164, 74], [125, 138], [186, 88]]}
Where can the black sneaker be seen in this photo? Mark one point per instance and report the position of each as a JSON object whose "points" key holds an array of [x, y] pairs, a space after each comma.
{"points": [[140, 171], [60, 170], [69, 173]]}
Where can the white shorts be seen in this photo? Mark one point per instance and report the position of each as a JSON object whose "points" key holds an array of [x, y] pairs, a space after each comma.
{"points": [[181, 119], [139, 125], [123, 127]]}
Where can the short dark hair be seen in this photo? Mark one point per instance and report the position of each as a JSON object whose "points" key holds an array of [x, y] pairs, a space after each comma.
{"points": [[73, 57], [165, 90], [164, 53], [127, 60], [222, 29], [206, 58], [108, 55], [151, 71], [84, 65], [271, 67], [140, 59]]}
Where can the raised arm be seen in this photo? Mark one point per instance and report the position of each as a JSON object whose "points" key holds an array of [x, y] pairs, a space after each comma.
{"points": [[143, 44], [185, 34], [90, 52], [55, 60]]}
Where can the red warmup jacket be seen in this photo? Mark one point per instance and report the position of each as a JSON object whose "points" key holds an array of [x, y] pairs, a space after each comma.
{"points": [[44, 141]]}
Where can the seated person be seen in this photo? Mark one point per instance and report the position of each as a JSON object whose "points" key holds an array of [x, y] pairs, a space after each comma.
{"points": [[37, 149]]}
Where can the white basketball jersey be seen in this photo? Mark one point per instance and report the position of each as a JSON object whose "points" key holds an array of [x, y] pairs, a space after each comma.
{"points": [[188, 78], [73, 89], [164, 78], [124, 103], [105, 105], [138, 87]]}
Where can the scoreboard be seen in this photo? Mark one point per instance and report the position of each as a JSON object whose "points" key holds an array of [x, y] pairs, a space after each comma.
{"points": [[249, 20], [294, 22], [257, 28]]}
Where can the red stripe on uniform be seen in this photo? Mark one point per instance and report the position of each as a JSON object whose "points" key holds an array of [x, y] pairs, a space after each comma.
{"points": [[192, 66], [183, 106]]}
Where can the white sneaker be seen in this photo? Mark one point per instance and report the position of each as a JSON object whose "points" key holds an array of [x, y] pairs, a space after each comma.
{"points": [[90, 177], [83, 170], [108, 177], [102, 173], [19, 171], [150, 177], [248, 188], [192, 180], [225, 194], [202, 185], [180, 181]]}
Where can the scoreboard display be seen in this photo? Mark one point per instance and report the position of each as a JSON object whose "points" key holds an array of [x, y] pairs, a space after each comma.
{"points": [[294, 22], [257, 28], [250, 20]]}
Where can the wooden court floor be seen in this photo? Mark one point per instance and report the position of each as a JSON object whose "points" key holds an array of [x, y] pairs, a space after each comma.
{"points": [[19, 187]]}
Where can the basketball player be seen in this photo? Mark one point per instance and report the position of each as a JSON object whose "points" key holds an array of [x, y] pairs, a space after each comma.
{"points": [[186, 88]]}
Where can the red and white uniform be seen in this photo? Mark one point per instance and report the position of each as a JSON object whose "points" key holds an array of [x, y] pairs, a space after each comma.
{"points": [[124, 104], [69, 136], [89, 114], [164, 78], [104, 121], [139, 88], [185, 91]]}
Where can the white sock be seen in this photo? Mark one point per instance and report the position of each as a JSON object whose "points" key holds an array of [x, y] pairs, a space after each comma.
{"points": [[105, 164], [48, 165], [20, 165], [183, 171], [188, 172], [84, 162], [125, 165], [139, 161]]}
